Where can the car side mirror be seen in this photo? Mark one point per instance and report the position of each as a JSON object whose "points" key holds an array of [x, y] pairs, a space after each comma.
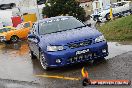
{"points": [[33, 38]]}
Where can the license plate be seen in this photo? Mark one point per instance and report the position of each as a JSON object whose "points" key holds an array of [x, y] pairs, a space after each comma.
{"points": [[81, 57], [82, 52]]}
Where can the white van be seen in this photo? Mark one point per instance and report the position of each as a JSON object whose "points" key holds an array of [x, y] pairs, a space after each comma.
{"points": [[118, 9]]}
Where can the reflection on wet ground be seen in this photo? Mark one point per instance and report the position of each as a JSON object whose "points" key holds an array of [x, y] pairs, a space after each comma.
{"points": [[20, 48], [15, 63]]}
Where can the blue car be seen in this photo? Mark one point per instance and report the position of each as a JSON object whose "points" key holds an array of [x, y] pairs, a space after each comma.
{"points": [[64, 40]]}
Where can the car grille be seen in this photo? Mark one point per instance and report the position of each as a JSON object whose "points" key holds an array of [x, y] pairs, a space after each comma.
{"points": [[80, 44], [81, 57]]}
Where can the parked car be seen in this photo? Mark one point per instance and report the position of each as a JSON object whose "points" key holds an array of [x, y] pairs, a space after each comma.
{"points": [[14, 34], [64, 40], [4, 31], [7, 6], [118, 9], [40, 2]]}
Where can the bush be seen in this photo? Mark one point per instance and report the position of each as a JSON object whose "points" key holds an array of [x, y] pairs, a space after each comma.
{"points": [[64, 7]]}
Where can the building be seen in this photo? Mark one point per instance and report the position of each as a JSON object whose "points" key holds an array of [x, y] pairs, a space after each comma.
{"points": [[87, 5], [99, 5], [24, 6]]}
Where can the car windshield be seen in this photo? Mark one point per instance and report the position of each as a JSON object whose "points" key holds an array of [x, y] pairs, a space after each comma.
{"points": [[58, 25], [5, 30], [107, 7]]}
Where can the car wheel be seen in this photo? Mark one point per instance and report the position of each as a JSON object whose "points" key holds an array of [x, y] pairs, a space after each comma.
{"points": [[121, 14], [108, 17], [32, 55], [14, 39], [129, 13], [43, 62]]}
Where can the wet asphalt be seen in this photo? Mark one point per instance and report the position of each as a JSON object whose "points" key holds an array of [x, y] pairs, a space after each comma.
{"points": [[17, 70]]}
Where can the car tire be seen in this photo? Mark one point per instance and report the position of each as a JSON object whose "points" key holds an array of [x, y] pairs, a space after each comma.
{"points": [[129, 13], [14, 39], [43, 61], [32, 55], [108, 16], [121, 15]]}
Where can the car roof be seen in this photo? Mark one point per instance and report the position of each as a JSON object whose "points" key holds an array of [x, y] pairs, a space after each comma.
{"points": [[53, 18]]}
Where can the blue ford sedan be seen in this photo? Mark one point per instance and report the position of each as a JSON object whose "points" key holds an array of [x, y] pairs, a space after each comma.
{"points": [[64, 40]]}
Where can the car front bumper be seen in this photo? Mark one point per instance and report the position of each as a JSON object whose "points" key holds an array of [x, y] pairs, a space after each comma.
{"points": [[67, 57], [2, 39]]}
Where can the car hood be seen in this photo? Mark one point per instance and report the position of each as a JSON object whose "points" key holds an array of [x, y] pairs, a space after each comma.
{"points": [[62, 38]]}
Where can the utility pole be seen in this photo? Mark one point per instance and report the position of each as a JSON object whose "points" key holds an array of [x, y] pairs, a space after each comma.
{"points": [[111, 12], [38, 15]]}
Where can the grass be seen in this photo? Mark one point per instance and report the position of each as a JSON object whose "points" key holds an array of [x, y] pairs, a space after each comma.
{"points": [[118, 30]]}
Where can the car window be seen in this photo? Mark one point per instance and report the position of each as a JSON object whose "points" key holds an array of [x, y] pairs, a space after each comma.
{"points": [[57, 25], [123, 3], [119, 4], [2, 30], [7, 6], [5, 30], [26, 25]]}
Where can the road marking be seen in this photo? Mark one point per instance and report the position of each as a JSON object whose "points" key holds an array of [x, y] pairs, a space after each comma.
{"points": [[58, 77]]}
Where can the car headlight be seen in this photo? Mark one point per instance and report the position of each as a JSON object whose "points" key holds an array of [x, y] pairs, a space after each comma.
{"points": [[2, 37], [55, 48], [100, 39]]}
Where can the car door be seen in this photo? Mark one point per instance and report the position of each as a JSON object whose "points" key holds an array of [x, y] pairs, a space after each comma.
{"points": [[116, 9], [23, 30], [125, 6], [33, 42], [8, 33], [121, 7]]}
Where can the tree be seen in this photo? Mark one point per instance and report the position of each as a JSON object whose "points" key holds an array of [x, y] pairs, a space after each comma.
{"points": [[64, 7]]}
